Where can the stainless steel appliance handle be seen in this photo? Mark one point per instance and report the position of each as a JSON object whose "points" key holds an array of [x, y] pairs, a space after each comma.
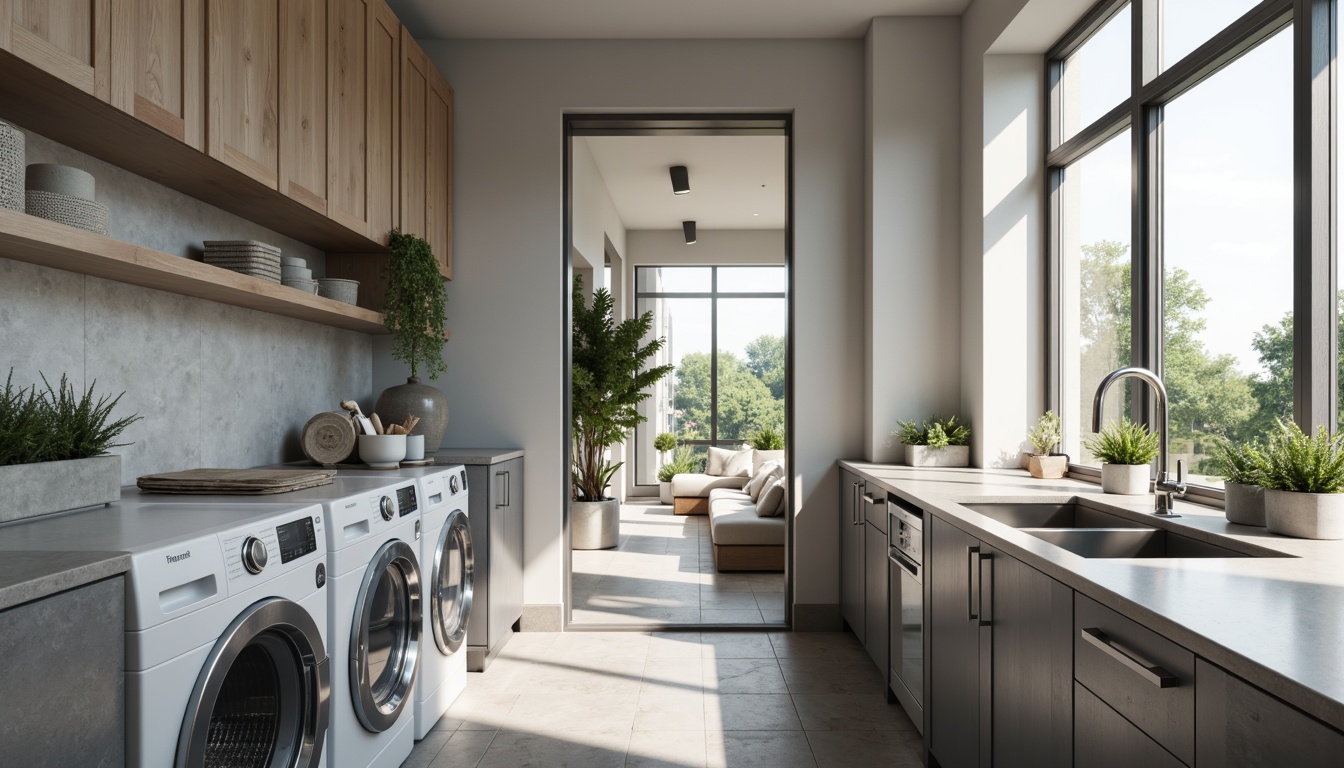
{"points": [[898, 557], [854, 516], [972, 575], [1150, 672]]}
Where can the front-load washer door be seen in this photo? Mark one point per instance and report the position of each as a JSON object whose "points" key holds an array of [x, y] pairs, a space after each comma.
{"points": [[451, 590], [261, 700], [385, 637]]}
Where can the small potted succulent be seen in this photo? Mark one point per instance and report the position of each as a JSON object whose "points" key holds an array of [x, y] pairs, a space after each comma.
{"points": [[1044, 463], [938, 442], [1243, 469], [1126, 450], [1304, 484]]}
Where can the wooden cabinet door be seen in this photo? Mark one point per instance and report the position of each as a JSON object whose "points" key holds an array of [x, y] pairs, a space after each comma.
{"points": [[875, 595], [303, 102], [382, 154], [70, 39], [347, 105], [158, 65], [414, 91], [439, 171], [954, 638], [243, 87], [1240, 726]]}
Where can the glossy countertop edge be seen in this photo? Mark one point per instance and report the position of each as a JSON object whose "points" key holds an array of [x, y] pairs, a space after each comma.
{"points": [[33, 575], [942, 491], [475, 455]]}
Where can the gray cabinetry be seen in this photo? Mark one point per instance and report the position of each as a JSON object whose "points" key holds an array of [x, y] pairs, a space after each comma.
{"points": [[64, 700], [852, 545], [1104, 739], [495, 493], [875, 596], [1241, 726], [954, 663]]}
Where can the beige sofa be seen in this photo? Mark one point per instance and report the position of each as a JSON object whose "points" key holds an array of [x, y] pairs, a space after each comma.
{"points": [[690, 491], [744, 541]]}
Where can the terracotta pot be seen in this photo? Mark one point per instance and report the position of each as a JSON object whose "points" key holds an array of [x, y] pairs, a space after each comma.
{"points": [[1049, 467], [427, 402], [951, 456], [1305, 515], [1244, 504], [1125, 479]]}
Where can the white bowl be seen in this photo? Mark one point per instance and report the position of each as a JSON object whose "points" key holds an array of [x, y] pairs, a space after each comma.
{"points": [[382, 450]]}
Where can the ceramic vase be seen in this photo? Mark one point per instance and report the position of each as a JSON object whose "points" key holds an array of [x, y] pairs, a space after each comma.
{"points": [[422, 400], [1125, 479]]}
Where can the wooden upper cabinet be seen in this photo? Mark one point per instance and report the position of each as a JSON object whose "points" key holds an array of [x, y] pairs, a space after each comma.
{"points": [[70, 39], [158, 65], [426, 153], [383, 153], [243, 87], [303, 101]]}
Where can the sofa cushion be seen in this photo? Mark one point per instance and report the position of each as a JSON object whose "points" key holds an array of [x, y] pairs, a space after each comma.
{"points": [[769, 472], [696, 484], [771, 501], [760, 457], [726, 462], [733, 521]]}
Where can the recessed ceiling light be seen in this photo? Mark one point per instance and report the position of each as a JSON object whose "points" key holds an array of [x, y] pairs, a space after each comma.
{"points": [[755, 214]]}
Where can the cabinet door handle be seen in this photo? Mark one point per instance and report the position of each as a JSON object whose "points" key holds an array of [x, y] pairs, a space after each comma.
{"points": [[858, 504], [986, 587], [972, 576], [505, 494], [1150, 672]]}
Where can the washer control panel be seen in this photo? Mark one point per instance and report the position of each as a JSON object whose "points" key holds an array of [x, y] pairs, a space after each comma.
{"points": [[296, 539], [406, 500]]}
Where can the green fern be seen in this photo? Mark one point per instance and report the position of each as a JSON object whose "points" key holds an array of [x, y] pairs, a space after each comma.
{"points": [[1243, 463], [56, 424], [936, 433], [1124, 443], [682, 463], [768, 439], [1296, 462]]}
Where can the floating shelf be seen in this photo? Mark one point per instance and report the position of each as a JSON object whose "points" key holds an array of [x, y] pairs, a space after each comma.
{"points": [[49, 244]]}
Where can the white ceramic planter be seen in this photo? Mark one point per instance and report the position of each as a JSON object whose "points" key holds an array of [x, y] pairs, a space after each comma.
{"points": [[951, 456], [47, 487], [665, 492], [1125, 479], [595, 524], [1051, 467], [1305, 515], [1244, 504]]}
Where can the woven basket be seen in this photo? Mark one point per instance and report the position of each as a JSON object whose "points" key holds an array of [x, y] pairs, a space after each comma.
{"points": [[341, 290], [11, 167], [53, 206]]}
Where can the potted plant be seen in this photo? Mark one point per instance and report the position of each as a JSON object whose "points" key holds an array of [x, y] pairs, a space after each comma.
{"points": [[414, 317], [1243, 469], [53, 449], [1044, 463], [939, 442], [1304, 484], [682, 464], [663, 443], [767, 439], [607, 385], [1126, 450]]}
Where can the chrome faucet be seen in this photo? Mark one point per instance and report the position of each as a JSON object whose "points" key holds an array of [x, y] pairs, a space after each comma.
{"points": [[1165, 490]]}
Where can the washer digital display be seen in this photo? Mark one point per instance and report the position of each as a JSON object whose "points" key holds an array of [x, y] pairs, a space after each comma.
{"points": [[406, 501], [296, 539]]}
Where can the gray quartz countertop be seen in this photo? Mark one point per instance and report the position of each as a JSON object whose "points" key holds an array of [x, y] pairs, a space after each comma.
{"points": [[475, 455], [29, 576], [1277, 622]]}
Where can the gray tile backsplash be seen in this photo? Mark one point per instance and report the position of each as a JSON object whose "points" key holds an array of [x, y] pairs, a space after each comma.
{"points": [[218, 386]]}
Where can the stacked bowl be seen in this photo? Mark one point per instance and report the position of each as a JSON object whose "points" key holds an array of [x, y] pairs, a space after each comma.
{"points": [[63, 194], [246, 257], [294, 273]]}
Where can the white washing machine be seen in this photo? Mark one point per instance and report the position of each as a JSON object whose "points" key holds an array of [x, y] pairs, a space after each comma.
{"points": [[374, 613], [449, 570], [226, 622]]}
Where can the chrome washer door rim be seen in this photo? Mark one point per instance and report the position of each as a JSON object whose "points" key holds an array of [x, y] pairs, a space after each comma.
{"points": [[450, 639], [378, 716]]}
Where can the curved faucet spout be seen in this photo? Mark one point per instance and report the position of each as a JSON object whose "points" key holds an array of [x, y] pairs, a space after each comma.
{"points": [[1166, 488]]}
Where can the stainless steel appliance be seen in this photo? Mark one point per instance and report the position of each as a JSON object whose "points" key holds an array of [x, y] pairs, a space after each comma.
{"points": [[905, 551]]}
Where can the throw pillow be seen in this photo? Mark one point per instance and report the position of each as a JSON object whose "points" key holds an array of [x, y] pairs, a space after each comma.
{"points": [[770, 472], [718, 459], [772, 500], [763, 456], [739, 464]]}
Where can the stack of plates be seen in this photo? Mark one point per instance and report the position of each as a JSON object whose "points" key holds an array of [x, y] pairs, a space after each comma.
{"points": [[63, 194], [246, 257], [294, 273]]}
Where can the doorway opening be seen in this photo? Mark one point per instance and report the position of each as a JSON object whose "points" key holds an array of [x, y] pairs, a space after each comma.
{"points": [[718, 292]]}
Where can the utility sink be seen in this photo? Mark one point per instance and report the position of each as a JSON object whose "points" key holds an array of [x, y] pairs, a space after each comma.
{"points": [[1032, 515]]}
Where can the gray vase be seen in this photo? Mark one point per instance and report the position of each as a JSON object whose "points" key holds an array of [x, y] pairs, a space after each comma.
{"points": [[427, 402]]}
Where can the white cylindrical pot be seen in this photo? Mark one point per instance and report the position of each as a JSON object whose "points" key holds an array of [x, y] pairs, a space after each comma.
{"points": [[1125, 479], [595, 524], [415, 447], [1305, 515], [665, 492], [1244, 504]]}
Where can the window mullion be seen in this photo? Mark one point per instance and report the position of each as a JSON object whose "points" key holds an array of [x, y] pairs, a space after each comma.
{"points": [[1146, 216]]}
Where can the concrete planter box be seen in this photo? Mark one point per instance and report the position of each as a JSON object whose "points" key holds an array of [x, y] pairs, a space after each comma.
{"points": [[595, 524], [30, 490], [1305, 515], [1244, 504], [1125, 479], [1051, 467], [951, 456]]}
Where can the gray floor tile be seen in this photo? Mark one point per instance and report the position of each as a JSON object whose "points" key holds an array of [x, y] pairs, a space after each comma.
{"points": [[751, 712], [759, 749], [850, 712], [890, 749], [666, 749], [557, 749]]}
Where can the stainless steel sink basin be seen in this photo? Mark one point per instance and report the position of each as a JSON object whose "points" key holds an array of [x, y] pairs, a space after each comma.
{"points": [[1129, 542], [1030, 515]]}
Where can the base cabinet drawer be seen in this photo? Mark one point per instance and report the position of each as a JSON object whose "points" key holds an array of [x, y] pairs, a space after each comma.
{"points": [[1146, 678], [1241, 726], [1104, 739]]}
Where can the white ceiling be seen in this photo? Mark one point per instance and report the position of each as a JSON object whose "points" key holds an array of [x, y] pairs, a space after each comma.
{"points": [[593, 19], [737, 182]]}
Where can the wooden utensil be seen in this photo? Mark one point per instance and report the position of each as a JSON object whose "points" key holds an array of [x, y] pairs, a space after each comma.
{"points": [[377, 425]]}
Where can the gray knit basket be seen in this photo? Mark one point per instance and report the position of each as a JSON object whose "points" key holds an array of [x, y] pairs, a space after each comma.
{"points": [[12, 164], [85, 214]]}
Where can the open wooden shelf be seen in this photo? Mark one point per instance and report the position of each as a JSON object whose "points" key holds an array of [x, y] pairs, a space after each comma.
{"points": [[49, 244]]}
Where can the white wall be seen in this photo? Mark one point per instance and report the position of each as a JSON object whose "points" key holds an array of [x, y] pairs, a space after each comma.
{"points": [[504, 305], [912, 301], [596, 221]]}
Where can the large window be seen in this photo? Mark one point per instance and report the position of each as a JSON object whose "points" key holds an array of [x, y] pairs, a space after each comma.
{"points": [[1190, 223], [725, 334]]}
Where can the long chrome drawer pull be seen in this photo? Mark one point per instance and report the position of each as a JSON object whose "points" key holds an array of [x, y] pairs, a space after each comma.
{"points": [[1153, 674]]}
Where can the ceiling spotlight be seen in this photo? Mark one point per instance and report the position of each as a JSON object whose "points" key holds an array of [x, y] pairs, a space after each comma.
{"points": [[688, 229], [681, 180]]}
